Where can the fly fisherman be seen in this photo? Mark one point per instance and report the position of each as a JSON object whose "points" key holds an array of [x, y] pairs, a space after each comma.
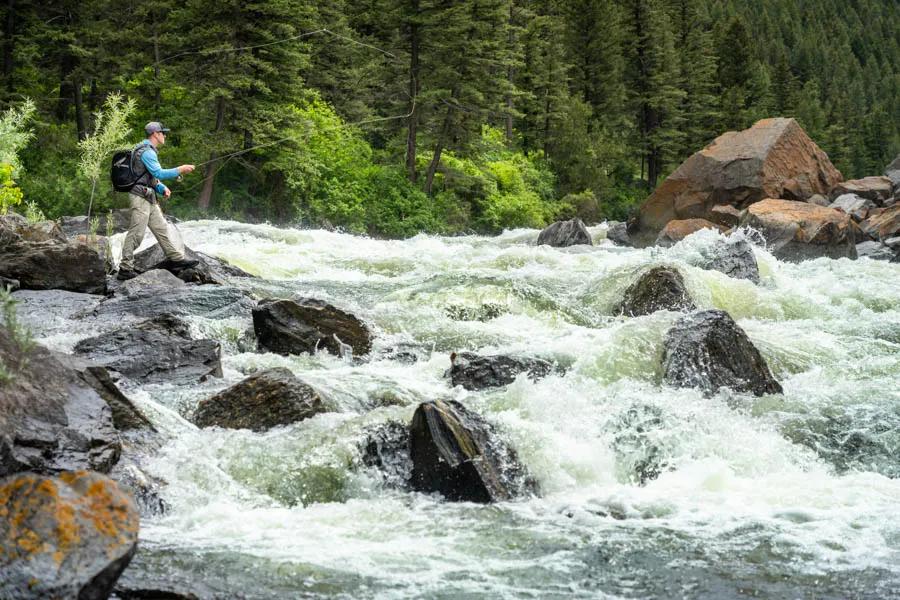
{"points": [[144, 207]]}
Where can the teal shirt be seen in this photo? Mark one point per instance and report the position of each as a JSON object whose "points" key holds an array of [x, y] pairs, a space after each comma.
{"points": [[151, 161]]}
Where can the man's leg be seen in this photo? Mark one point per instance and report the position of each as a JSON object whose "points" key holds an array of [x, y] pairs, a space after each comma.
{"points": [[140, 214], [174, 251]]}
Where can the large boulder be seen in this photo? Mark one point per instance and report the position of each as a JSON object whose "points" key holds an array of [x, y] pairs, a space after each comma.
{"points": [[660, 288], [304, 325], [892, 172], [456, 452], [210, 301], [855, 206], [796, 231], [150, 282], [732, 256], [64, 537], [51, 418], [882, 224], [773, 159], [474, 372], [209, 270], [261, 401], [159, 349], [708, 350], [54, 265], [565, 233], [877, 189], [617, 233], [677, 230]]}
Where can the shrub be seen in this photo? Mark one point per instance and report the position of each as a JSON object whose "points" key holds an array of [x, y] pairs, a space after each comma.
{"points": [[10, 194]]}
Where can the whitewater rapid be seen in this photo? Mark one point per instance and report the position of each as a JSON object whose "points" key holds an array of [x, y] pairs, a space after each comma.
{"points": [[794, 495]]}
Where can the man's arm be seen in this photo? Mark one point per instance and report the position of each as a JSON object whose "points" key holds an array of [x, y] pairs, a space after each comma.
{"points": [[150, 160]]}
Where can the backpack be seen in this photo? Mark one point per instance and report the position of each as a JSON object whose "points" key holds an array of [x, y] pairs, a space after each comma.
{"points": [[123, 174]]}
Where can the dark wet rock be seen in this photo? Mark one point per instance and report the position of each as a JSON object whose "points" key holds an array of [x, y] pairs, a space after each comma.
{"points": [[876, 251], [159, 349], [51, 420], [877, 189], [209, 270], [385, 447], [474, 372], [150, 281], [565, 233], [734, 257], [483, 312], [708, 350], [677, 230], [261, 401], [407, 353], [797, 231], [64, 537], [456, 453], [305, 325], [211, 301], [36, 307], [53, 265], [8, 284], [617, 233], [147, 593], [892, 172], [855, 206], [145, 489], [81, 225], [637, 444], [660, 288]]}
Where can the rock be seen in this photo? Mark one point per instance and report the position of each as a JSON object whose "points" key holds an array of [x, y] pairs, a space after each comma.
{"points": [[210, 270], [796, 231], [80, 225], [734, 257], [892, 172], [53, 265], [51, 419], [565, 233], [64, 537], [211, 301], [855, 206], [893, 242], [877, 189], [773, 159], [677, 230], [385, 447], [882, 224], [261, 401], [304, 325], [150, 281], [617, 233], [43, 231], [10, 285], [159, 349], [875, 251], [456, 452], [818, 200], [660, 288], [708, 350], [726, 215], [474, 372]]}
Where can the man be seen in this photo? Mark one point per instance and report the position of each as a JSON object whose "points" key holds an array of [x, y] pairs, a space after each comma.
{"points": [[144, 207]]}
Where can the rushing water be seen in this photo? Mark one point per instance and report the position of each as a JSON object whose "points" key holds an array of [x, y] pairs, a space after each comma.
{"points": [[795, 495]]}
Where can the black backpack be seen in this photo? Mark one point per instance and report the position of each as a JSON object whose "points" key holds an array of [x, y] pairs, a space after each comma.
{"points": [[123, 173]]}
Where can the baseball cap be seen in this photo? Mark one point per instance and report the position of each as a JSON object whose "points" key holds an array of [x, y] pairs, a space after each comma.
{"points": [[154, 126]]}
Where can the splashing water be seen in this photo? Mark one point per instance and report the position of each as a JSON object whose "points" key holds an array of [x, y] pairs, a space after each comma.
{"points": [[648, 491]]}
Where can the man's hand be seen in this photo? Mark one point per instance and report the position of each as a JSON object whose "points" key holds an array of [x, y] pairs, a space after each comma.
{"points": [[183, 169], [167, 193]]}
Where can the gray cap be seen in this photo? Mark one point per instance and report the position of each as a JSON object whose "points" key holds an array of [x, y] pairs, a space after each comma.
{"points": [[154, 126]]}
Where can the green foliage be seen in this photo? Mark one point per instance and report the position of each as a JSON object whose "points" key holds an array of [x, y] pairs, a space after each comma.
{"points": [[33, 212], [110, 224], [10, 194], [93, 226], [110, 130], [15, 135], [20, 337]]}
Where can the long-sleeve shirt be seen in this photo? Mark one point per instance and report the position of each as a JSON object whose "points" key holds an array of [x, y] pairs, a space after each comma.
{"points": [[151, 161]]}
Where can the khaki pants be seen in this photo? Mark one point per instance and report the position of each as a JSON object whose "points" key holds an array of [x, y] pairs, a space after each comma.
{"points": [[144, 213]]}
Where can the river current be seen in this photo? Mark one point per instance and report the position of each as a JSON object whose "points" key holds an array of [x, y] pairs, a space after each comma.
{"points": [[794, 495]]}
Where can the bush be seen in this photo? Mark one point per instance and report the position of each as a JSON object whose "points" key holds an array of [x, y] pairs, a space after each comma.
{"points": [[10, 195]]}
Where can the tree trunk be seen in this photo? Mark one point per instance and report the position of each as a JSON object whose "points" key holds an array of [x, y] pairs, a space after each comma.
{"points": [[8, 41], [439, 146], [79, 109], [66, 92], [209, 173], [413, 121]]}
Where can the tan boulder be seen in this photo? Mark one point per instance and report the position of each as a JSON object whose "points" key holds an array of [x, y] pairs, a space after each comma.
{"points": [[877, 189], [773, 159], [882, 223], [796, 231], [677, 230]]}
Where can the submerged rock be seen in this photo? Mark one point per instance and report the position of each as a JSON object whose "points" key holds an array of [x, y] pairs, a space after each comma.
{"points": [[797, 231], [51, 420], [640, 456], [457, 453], [474, 372], [261, 401], [304, 325], [54, 266], [734, 257], [660, 288], [565, 233], [708, 350], [159, 349], [64, 537]]}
